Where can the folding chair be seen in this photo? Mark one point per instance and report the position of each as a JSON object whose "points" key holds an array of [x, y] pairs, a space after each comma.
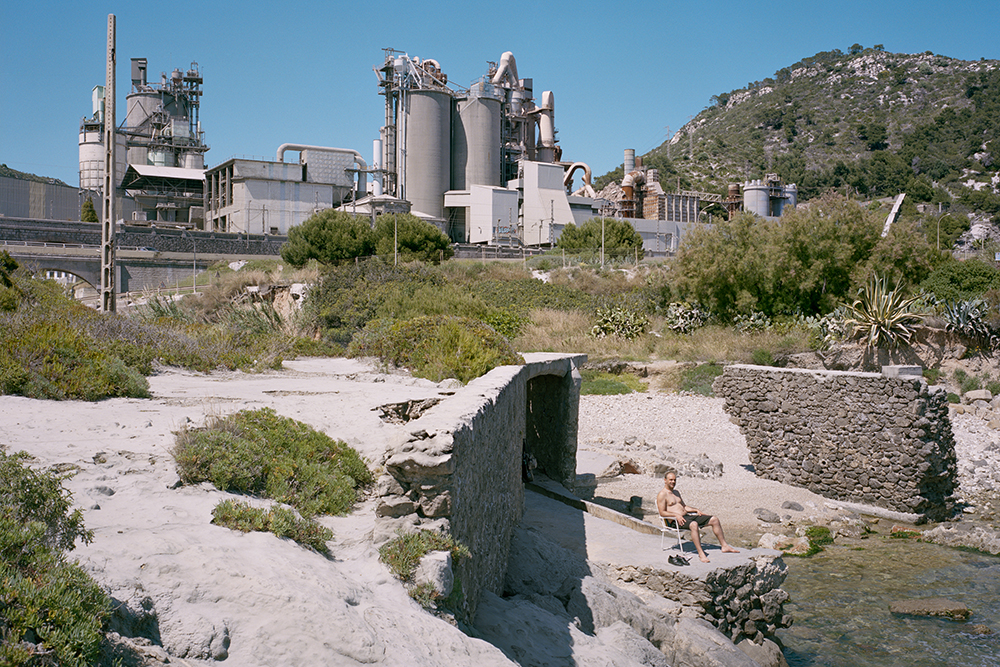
{"points": [[671, 524]]}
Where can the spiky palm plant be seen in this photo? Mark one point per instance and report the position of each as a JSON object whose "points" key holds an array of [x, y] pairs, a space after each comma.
{"points": [[881, 315]]}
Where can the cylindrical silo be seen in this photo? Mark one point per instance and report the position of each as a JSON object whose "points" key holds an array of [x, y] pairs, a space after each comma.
{"points": [[629, 160], [476, 143], [756, 199], [91, 157], [427, 171], [192, 160]]}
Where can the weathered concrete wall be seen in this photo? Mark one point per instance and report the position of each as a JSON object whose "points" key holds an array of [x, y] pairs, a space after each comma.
{"points": [[857, 437], [460, 468]]}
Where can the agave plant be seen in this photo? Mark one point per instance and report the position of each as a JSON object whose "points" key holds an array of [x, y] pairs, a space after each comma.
{"points": [[968, 318], [881, 315]]}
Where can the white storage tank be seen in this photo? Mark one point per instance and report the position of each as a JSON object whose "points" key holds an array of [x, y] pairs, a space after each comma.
{"points": [[756, 199], [476, 143], [427, 167]]}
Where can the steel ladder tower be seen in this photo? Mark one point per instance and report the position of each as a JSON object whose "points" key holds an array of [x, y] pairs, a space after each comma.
{"points": [[108, 304]]}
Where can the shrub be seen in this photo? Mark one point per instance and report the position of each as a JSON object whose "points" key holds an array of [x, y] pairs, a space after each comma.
{"points": [[961, 281], [755, 321], [258, 452], [51, 611], [330, 237], [683, 318], [967, 318], [278, 520], [619, 237], [881, 316], [619, 321], [411, 238], [436, 347], [402, 555]]}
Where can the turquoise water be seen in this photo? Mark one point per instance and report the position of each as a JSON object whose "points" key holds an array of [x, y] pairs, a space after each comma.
{"points": [[840, 605]]}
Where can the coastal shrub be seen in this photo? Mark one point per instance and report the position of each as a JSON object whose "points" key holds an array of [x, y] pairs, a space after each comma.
{"points": [[260, 453], [966, 382], [278, 520], [436, 347], [51, 611], [402, 555], [683, 317], [408, 238]]}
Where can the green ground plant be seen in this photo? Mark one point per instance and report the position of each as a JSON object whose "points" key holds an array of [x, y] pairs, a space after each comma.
{"points": [[260, 453], [698, 379], [51, 611], [280, 521], [608, 384], [402, 555]]}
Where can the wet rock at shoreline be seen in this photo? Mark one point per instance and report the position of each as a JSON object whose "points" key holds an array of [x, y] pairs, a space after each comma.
{"points": [[940, 607]]}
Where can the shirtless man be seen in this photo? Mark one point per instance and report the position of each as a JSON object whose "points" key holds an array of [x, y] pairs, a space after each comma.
{"points": [[670, 504]]}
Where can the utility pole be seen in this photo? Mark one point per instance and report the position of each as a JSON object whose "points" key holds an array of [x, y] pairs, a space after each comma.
{"points": [[108, 304]]}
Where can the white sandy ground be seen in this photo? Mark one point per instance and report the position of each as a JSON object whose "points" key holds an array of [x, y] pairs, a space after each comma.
{"points": [[254, 599]]}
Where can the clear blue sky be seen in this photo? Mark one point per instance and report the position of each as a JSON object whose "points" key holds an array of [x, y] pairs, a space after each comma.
{"points": [[301, 72]]}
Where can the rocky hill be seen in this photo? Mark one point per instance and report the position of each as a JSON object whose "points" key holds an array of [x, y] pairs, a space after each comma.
{"points": [[869, 122]]}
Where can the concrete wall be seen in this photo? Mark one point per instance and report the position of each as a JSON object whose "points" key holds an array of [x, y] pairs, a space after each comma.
{"points": [[460, 469], [857, 437]]}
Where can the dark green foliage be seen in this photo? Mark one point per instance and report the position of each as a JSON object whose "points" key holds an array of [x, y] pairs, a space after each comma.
{"points": [[882, 316], [801, 263], [414, 239], [620, 240], [260, 453], [965, 381], [968, 319], [961, 281], [330, 237], [87, 212], [278, 520], [436, 347], [51, 611]]}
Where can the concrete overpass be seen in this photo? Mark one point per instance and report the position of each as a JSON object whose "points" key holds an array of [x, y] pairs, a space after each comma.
{"points": [[138, 269]]}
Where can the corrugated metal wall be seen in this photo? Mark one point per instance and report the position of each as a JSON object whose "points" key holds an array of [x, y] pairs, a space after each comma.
{"points": [[43, 201]]}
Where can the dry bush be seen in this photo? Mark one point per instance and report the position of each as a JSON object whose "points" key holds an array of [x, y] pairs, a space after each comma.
{"points": [[569, 331], [716, 343]]}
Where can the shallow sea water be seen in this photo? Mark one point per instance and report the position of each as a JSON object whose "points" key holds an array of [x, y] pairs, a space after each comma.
{"points": [[840, 606]]}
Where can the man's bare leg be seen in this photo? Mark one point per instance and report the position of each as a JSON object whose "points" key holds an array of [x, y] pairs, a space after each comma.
{"points": [[696, 538], [717, 529]]}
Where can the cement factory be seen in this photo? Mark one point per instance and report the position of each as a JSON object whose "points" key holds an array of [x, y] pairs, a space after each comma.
{"points": [[482, 163]]}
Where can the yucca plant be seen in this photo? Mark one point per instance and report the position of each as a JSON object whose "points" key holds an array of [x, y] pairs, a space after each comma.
{"points": [[881, 315]]}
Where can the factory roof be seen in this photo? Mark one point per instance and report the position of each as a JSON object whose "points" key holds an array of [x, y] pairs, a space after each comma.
{"points": [[144, 176]]}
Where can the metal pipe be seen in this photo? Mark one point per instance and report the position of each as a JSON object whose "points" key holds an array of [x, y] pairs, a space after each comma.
{"points": [[588, 188], [507, 69]]}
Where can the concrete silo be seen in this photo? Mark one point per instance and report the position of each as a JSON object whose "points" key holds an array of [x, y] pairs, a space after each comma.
{"points": [[476, 143], [426, 158]]}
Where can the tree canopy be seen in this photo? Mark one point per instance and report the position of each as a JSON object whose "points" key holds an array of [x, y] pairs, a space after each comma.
{"points": [[807, 261], [620, 238], [416, 239], [330, 237]]}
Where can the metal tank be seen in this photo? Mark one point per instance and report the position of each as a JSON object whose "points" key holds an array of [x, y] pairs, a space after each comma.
{"points": [[629, 160], [756, 198], [476, 143], [91, 158], [427, 162]]}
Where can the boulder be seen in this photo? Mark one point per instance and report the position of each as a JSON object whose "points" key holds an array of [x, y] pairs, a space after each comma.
{"points": [[765, 654], [766, 515], [977, 395], [435, 569], [942, 607], [785, 543]]}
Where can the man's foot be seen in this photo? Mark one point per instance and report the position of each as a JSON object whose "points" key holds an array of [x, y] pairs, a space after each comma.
{"points": [[729, 550], [703, 558]]}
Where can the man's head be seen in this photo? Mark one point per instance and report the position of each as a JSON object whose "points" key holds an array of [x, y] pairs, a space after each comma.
{"points": [[670, 478]]}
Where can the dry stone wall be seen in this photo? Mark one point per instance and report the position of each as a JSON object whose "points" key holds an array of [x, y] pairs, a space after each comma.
{"points": [[744, 602], [870, 438], [459, 470]]}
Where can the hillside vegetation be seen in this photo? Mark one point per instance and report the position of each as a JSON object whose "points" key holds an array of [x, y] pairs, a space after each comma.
{"points": [[867, 123]]}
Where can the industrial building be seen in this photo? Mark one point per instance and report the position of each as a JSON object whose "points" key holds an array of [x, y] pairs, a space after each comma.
{"points": [[483, 162], [159, 148]]}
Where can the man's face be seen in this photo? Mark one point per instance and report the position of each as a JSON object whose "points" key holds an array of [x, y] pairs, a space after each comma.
{"points": [[670, 481]]}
